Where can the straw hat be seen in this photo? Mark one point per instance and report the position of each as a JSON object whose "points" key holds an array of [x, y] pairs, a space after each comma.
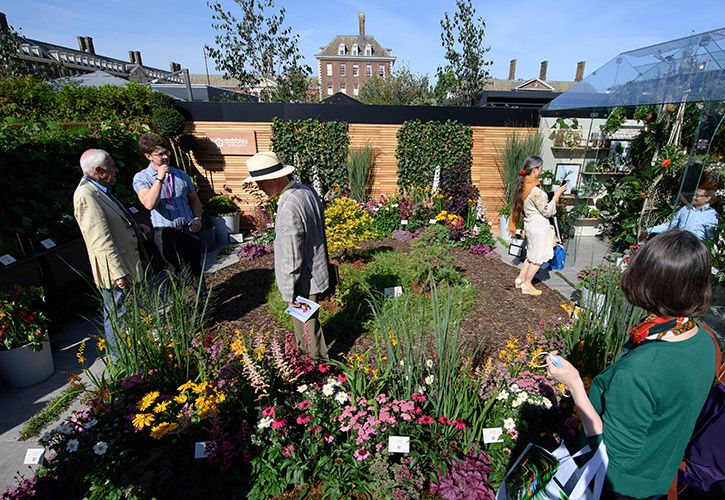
{"points": [[264, 166]]}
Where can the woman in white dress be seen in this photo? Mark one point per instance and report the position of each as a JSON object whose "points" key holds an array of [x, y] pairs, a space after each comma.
{"points": [[532, 202]]}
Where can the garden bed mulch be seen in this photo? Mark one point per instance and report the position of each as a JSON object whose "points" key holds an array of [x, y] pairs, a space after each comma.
{"points": [[500, 309]]}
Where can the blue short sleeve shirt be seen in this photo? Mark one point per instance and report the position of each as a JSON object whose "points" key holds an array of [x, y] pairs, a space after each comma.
{"points": [[174, 201]]}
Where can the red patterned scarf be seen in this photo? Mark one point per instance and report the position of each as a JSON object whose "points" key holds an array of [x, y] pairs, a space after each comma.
{"points": [[655, 327]]}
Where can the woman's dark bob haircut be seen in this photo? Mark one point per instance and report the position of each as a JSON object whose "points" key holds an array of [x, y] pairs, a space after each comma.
{"points": [[670, 276]]}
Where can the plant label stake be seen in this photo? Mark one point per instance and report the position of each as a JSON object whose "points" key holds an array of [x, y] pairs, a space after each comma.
{"points": [[492, 435], [133, 210], [48, 244], [200, 449], [7, 259], [34, 456], [398, 444], [393, 291]]}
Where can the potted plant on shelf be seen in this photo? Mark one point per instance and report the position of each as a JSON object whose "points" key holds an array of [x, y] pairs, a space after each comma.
{"points": [[25, 356], [566, 132], [546, 178], [224, 214]]}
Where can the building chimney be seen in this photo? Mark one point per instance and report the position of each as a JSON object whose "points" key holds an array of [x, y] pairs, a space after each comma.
{"points": [[174, 67], [89, 45], [512, 69], [132, 57], [579, 71], [542, 72], [4, 23], [82, 43], [361, 21], [137, 56]]}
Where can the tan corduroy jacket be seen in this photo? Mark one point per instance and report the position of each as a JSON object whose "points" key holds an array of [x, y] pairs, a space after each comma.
{"points": [[300, 249], [109, 235]]}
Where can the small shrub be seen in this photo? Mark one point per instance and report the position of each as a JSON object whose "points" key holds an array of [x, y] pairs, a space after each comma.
{"points": [[347, 225], [169, 122], [360, 162], [221, 205], [253, 250]]}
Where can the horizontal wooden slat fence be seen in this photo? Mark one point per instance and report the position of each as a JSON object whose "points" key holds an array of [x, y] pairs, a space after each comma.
{"points": [[223, 174]]}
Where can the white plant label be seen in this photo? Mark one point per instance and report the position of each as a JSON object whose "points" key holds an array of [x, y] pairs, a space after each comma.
{"points": [[492, 435], [393, 291], [436, 179], [432, 221], [403, 222], [34, 456], [236, 237], [48, 243], [133, 210], [200, 449], [7, 259], [398, 444], [270, 225]]}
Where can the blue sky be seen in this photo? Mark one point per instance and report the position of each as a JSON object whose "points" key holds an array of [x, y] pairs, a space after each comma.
{"points": [[562, 32]]}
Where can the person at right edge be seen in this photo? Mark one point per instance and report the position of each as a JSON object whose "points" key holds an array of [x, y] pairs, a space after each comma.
{"points": [[532, 202], [645, 406], [300, 249]]}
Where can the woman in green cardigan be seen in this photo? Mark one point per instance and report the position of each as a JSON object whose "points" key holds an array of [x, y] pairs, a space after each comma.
{"points": [[645, 405]]}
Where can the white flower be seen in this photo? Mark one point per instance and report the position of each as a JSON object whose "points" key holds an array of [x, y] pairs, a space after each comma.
{"points": [[429, 379], [402, 363], [546, 402], [334, 381], [302, 388], [509, 424], [65, 428], [503, 396], [341, 397], [72, 445], [517, 402], [524, 396], [100, 448], [90, 424], [394, 205], [515, 388], [429, 363], [328, 389], [264, 423]]}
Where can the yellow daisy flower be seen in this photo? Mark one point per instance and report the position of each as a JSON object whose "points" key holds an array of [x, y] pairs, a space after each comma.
{"points": [[141, 420]]}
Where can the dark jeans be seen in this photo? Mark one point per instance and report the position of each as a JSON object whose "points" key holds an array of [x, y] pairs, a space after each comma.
{"points": [[179, 248]]}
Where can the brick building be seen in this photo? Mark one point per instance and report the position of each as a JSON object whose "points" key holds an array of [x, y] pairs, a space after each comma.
{"points": [[348, 61]]}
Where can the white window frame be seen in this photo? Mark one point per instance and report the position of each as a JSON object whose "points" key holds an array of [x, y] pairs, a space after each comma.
{"points": [[329, 69], [381, 71], [342, 69], [329, 89], [341, 49], [355, 89], [355, 70], [369, 70], [355, 51], [343, 87], [368, 50]]}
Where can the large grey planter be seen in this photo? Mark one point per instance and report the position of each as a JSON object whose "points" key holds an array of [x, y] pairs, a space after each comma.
{"points": [[503, 228], [21, 367]]}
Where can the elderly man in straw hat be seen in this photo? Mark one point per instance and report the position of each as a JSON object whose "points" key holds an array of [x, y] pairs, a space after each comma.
{"points": [[300, 251]]}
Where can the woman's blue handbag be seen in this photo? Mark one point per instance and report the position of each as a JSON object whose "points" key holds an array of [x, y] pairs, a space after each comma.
{"points": [[557, 262]]}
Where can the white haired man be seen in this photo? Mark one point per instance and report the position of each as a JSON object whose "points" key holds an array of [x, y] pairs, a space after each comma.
{"points": [[300, 249], [110, 233]]}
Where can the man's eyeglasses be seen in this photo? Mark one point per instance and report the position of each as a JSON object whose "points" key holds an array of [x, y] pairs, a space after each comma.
{"points": [[162, 154]]}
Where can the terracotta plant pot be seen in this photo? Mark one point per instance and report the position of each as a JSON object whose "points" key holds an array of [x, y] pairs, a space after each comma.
{"points": [[22, 367]]}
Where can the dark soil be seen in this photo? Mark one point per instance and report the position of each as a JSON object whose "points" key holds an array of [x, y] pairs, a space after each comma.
{"points": [[500, 309]]}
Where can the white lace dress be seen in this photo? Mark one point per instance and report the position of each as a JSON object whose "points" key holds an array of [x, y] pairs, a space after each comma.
{"points": [[539, 233]]}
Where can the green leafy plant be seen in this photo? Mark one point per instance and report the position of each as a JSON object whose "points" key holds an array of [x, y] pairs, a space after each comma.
{"points": [[615, 120], [566, 132], [169, 122], [221, 205], [360, 162], [422, 146], [21, 320]]}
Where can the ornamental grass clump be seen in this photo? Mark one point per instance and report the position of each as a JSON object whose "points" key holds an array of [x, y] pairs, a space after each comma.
{"points": [[21, 320]]}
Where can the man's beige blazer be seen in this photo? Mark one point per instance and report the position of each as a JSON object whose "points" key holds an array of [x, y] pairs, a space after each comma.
{"points": [[109, 234]]}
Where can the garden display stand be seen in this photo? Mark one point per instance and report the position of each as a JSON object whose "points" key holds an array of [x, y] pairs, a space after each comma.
{"points": [[23, 367]]}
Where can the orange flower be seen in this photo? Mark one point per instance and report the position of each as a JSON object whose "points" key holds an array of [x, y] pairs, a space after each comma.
{"points": [[666, 163]]}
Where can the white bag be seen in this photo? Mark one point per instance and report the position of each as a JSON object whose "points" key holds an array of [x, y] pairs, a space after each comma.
{"points": [[570, 481]]}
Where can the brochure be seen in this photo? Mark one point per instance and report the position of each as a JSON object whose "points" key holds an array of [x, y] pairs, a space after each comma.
{"points": [[302, 309]]}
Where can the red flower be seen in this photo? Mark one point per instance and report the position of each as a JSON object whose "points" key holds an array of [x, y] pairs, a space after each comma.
{"points": [[666, 163], [303, 405], [420, 398], [443, 420], [278, 423], [303, 419], [342, 378], [268, 411], [643, 195], [288, 450], [314, 429], [2, 335], [38, 334], [4, 327], [425, 420], [460, 425], [323, 368]]}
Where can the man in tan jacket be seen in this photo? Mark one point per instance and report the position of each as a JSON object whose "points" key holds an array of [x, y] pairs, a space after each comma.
{"points": [[110, 233], [300, 249]]}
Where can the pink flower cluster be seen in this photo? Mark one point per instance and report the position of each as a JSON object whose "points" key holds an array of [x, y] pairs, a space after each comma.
{"points": [[363, 419]]}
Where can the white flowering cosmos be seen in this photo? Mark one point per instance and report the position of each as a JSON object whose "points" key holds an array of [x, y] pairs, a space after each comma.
{"points": [[72, 445], [100, 448], [514, 388], [547, 403], [341, 397], [502, 396], [302, 388], [509, 424], [264, 423], [429, 363], [429, 379], [328, 389]]}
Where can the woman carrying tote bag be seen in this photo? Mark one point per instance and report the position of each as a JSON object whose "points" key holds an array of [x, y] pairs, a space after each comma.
{"points": [[645, 405]]}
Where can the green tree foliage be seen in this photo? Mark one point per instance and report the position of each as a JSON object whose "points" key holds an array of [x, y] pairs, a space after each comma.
{"points": [[12, 65], [423, 146], [400, 87], [317, 149], [464, 74], [258, 48]]}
